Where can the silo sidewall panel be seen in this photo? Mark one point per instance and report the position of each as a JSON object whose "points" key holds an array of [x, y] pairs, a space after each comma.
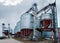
{"points": [[26, 21]]}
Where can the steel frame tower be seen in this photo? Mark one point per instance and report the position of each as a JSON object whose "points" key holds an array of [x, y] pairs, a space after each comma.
{"points": [[46, 9], [55, 26]]}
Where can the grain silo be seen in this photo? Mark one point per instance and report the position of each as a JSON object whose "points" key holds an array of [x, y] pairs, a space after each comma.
{"points": [[17, 29], [46, 20], [5, 29], [26, 24], [46, 23]]}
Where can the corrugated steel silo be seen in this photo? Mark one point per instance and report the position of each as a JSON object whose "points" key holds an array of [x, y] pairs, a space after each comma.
{"points": [[46, 22], [17, 27], [26, 21], [26, 24], [5, 29]]}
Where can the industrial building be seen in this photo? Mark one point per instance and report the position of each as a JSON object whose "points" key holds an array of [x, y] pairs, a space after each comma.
{"points": [[7, 31], [26, 29], [17, 29], [33, 26]]}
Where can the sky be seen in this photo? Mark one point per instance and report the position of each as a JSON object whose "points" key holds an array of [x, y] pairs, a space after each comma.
{"points": [[11, 10]]}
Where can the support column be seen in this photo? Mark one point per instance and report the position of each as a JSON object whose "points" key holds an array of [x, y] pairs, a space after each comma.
{"points": [[41, 34], [54, 14]]}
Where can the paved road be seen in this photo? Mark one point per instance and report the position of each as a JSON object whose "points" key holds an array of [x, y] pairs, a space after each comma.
{"points": [[9, 41], [15, 41]]}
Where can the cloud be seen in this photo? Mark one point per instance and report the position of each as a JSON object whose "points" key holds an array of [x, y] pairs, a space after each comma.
{"points": [[10, 2]]}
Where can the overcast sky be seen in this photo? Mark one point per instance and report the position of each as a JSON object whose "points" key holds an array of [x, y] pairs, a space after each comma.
{"points": [[11, 10]]}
